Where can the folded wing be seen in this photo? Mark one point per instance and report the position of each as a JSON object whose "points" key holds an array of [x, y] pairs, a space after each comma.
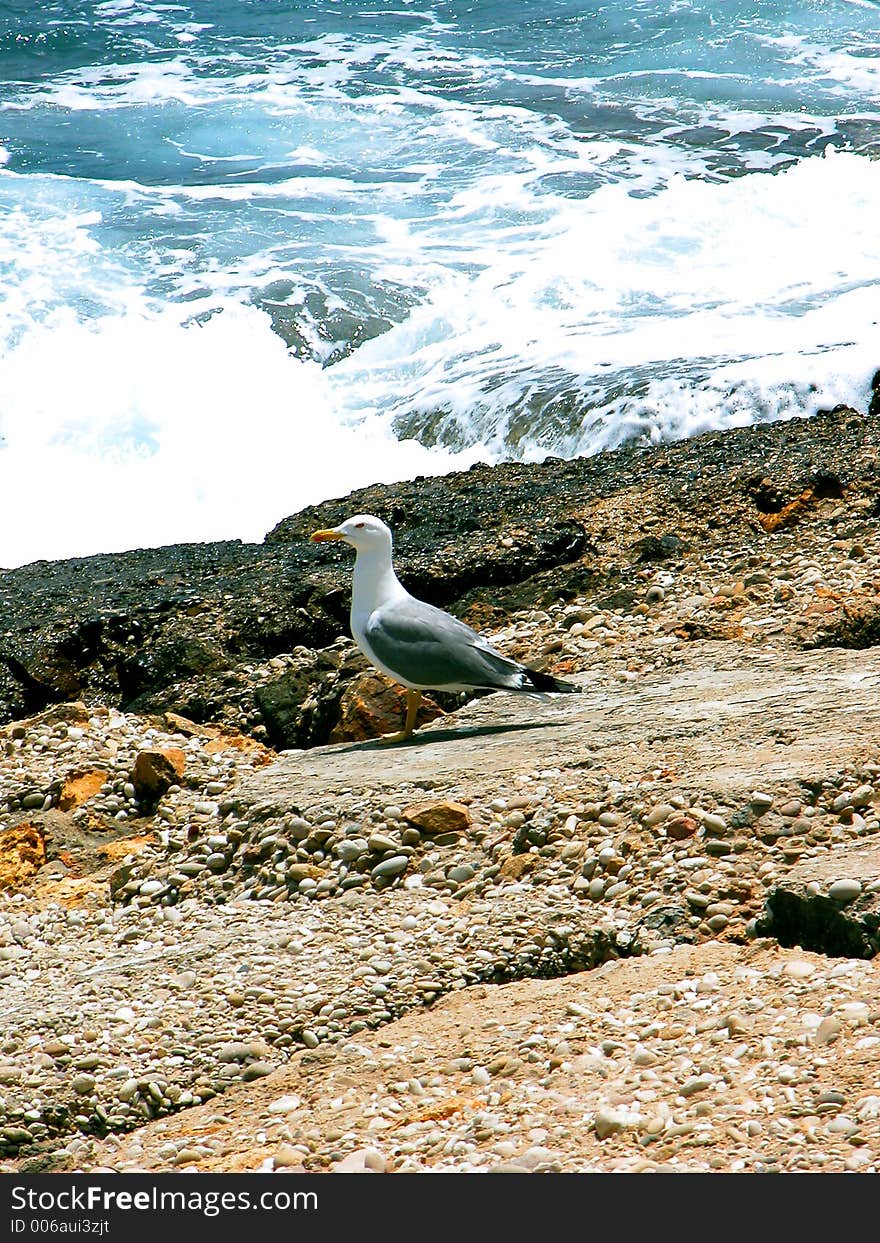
{"points": [[427, 647]]}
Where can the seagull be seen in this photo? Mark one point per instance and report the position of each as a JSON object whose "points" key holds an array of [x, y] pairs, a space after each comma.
{"points": [[416, 644]]}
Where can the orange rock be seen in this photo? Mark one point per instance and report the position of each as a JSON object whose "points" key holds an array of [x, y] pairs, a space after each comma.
{"points": [[372, 705], [789, 513], [122, 846], [435, 818], [22, 853], [79, 787], [155, 771], [240, 742], [680, 827]]}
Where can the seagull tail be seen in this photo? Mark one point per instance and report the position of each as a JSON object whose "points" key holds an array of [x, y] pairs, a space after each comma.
{"points": [[533, 680]]}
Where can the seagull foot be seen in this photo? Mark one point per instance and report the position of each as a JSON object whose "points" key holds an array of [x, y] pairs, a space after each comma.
{"points": [[413, 699], [401, 736]]}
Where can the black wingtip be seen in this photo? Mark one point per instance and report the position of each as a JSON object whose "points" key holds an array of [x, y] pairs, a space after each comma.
{"points": [[545, 682]]}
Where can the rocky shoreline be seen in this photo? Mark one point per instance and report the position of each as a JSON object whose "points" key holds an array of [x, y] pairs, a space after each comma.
{"points": [[636, 931]]}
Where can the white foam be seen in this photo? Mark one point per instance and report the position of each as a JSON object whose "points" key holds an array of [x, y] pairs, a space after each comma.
{"points": [[700, 286], [137, 431]]}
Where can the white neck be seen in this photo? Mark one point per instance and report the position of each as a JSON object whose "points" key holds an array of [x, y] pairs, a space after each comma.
{"points": [[374, 582]]}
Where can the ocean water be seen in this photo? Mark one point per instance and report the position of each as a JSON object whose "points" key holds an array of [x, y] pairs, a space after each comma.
{"points": [[255, 253]]}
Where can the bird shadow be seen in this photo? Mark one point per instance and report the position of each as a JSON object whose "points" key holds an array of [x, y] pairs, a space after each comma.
{"points": [[447, 735]]}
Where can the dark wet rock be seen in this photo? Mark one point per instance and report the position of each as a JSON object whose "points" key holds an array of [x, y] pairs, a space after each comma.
{"points": [[768, 498], [300, 707], [658, 547], [858, 626], [874, 407], [826, 484], [828, 904]]}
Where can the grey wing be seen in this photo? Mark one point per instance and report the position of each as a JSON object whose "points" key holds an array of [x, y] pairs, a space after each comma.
{"points": [[428, 647]]}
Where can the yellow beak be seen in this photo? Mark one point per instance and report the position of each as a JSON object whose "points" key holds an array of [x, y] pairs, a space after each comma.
{"points": [[320, 537]]}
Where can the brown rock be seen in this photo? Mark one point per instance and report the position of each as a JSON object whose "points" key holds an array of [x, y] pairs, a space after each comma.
{"points": [[22, 853], [155, 771], [680, 827], [515, 866], [372, 705], [79, 787], [183, 725], [435, 818]]}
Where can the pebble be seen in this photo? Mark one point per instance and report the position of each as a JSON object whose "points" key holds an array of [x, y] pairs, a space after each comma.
{"points": [[844, 890], [285, 1104], [390, 867], [607, 1122]]}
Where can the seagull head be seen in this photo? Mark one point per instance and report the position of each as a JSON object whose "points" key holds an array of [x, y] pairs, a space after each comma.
{"points": [[364, 532]]}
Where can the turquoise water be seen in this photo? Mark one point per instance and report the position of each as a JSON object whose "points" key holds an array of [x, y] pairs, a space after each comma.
{"points": [[255, 253]]}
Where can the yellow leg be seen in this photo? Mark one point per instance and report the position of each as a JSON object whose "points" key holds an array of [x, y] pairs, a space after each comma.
{"points": [[413, 699]]}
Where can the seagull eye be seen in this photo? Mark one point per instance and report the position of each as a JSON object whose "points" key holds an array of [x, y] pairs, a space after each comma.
{"points": [[359, 526]]}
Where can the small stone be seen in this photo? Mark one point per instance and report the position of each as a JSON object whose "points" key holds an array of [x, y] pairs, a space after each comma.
{"points": [[298, 872], [154, 772], [658, 814], [828, 1030], [257, 1070], [235, 1051], [361, 1161], [679, 827], [390, 867], [83, 1085], [286, 1156], [379, 843], [842, 1125], [844, 890], [799, 969], [351, 849], [697, 1083], [285, 1105], [434, 818], [713, 823], [606, 1122]]}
